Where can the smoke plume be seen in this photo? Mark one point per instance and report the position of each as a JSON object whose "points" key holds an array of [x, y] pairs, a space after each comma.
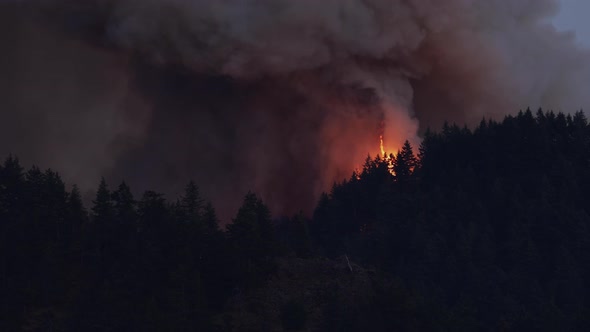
{"points": [[282, 97]]}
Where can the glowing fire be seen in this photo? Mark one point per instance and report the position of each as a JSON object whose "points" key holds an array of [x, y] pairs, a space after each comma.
{"points": [[389, 159], [385, 156]]}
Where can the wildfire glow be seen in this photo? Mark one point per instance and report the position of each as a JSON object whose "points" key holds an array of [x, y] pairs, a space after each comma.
{"points": [[386, 157]]}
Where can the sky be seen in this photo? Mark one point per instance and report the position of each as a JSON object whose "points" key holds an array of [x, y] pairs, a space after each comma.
{"points": [[316, 86], [574, 16]]}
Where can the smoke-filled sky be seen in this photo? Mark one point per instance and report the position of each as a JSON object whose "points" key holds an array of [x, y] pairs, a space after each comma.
{"points": [[281, 97], [573, 16]]}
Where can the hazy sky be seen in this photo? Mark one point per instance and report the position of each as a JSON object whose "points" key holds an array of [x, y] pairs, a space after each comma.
{"points": [[574, 16]]}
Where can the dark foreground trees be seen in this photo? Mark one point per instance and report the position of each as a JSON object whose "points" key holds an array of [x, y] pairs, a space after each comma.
{"points": [[491, 226], [126, 265], [485, 229]]}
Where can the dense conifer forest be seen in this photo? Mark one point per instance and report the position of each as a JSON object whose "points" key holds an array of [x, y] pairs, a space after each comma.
{"points": [[482, 229]]}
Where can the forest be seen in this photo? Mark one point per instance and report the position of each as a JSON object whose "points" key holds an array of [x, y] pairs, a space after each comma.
{"points": [[477, 229]]}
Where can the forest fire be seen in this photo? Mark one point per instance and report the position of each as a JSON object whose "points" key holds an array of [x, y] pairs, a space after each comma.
{"points": [[222, 153], [387, 158], [195, 79]]}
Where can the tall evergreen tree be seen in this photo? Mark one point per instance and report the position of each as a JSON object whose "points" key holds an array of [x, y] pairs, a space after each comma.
{"points": [[253, 238], [405, 162], [191, 203], [102, 211], [125, 208], [13, 245], [11, 185], [210, 219], [152, 209], [76, 208], [252, 229]]}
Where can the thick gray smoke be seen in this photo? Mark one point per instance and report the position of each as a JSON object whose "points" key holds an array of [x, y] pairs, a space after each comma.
{"points": [[279, 96]]}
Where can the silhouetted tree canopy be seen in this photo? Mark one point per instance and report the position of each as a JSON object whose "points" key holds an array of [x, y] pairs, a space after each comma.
{"points": [[485, 229]]}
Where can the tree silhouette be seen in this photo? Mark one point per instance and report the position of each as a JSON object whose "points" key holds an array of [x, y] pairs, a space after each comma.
{"points": [[252, 236], [405, 162], [485, 230], [191, 203], [124, 204], [102, 210]]}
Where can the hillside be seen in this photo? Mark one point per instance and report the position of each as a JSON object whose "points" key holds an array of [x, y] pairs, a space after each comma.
{"points": [[477, 230]]}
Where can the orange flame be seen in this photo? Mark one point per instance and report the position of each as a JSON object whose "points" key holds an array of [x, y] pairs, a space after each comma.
{"points": [[386, 157]]}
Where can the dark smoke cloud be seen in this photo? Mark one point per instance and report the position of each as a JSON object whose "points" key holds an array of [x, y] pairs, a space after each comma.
{"points": [[279, 96]]}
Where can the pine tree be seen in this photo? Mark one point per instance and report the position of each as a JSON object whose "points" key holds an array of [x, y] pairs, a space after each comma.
{"points": [[11, 186], [76, 219], [123, 229], [405, 162], [191, 203], [252, 235], [76, 206], [579, 120], [210, 219], [101, 235], [124, 206], [301, 238], [252, 229], [14, 261], [152, 211], [102, 211], [56, 197]]}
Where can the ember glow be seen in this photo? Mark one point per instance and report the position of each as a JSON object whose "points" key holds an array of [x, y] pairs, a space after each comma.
{"points": [[386, 157]]}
